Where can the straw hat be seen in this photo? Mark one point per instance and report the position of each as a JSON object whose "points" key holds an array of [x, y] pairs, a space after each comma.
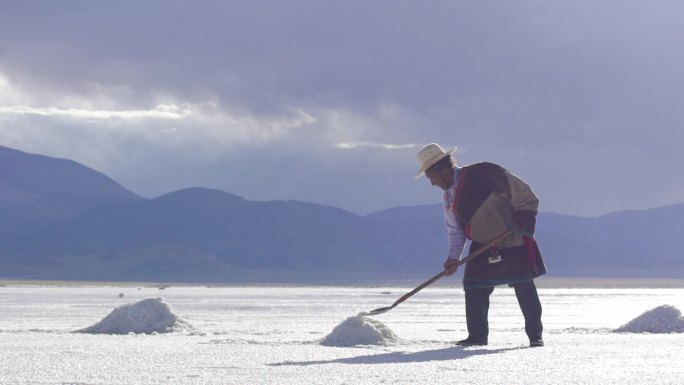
{"points": [[429, 155]]}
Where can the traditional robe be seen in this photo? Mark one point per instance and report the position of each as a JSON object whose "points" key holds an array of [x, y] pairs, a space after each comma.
{"points": [[487, 201]]}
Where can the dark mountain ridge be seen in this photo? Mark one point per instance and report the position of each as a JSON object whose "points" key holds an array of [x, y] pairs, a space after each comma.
{"points": [[104, 232], [37, 190]]}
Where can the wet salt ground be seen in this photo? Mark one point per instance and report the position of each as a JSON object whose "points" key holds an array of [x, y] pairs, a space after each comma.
{"points": [[273, 335]]}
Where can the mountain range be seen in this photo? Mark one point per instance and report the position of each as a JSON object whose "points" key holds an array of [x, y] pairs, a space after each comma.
{"points": [[62, 220]]}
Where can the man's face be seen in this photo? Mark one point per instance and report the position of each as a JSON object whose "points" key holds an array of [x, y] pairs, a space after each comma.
{"points": [[440, 176]]}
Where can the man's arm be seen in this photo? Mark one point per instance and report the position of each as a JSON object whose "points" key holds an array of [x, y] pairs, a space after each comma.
{"points": [[457, 240]]}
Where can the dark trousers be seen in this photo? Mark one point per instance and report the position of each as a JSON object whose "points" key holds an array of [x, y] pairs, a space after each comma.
{"points": [[477, 307]]}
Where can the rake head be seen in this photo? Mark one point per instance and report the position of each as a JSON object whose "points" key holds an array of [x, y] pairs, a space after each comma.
{"points": [[380, 310]]}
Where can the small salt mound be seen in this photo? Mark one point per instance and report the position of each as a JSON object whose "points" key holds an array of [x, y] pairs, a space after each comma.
{"points": [[360, 330], [151, 315], [663, 319]]}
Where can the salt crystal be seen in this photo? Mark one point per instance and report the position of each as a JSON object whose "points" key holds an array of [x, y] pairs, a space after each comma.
{"points": [[151, 315], [360, 330], [663, 319]]}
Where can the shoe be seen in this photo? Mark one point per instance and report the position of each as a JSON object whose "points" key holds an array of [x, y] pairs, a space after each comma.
{"points": [[535, 343], [471, 342]]}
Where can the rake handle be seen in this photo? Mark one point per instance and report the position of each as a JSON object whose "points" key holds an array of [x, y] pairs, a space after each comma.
{"points": [[430, 281]]}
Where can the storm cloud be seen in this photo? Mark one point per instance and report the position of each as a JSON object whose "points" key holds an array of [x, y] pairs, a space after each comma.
{"points": [[329, 101]]}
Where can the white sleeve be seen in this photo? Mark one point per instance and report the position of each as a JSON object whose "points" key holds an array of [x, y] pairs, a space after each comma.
{"points": [[456, 235]]}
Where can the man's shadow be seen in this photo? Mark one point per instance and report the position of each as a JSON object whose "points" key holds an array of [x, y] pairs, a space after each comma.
{"points": [[446, 354]]}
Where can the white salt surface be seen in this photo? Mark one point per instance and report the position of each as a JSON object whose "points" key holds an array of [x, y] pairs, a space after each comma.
{"points": [[663, 319], [272, 335], [151, 315], [360, 330]]}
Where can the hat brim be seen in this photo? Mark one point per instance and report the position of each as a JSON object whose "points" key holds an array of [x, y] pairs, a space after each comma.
{"points": [[432, 162]]}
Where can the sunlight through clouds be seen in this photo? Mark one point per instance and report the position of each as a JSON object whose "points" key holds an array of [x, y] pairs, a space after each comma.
{"points": [[8, 93], [162, 111], [4, 82], [355, 145], [205, 130]]}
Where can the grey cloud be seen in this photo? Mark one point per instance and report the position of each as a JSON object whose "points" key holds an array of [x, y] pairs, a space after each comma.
{"points": [[584, 92]]}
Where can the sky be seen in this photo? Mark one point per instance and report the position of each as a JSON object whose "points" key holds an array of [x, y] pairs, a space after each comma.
{"points": [[329, 102]]}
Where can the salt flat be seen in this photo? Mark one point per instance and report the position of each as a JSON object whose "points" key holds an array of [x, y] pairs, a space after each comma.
{"points": [[272, 335]]}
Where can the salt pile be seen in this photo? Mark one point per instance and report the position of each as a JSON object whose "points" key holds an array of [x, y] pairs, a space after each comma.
{"points": [[663, 319], [151, 315], [360, 330]]}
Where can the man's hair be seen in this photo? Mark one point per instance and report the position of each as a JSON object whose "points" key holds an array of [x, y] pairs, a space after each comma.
{"points": [[447, 161]]}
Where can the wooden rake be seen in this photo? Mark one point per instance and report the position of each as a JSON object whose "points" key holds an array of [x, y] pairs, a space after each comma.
{"points": [[440, 275]]}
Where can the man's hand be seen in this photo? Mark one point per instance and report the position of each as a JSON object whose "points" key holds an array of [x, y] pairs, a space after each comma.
{"points": [[450, 266]]}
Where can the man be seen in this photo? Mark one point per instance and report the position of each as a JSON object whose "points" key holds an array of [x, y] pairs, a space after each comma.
{"points": [[481, 202]]}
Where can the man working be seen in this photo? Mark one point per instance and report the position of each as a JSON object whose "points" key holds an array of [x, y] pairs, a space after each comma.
{"points": [[481, 202]]}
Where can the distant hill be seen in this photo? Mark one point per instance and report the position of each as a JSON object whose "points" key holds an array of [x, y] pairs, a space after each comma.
{"points": [[37, 190], [62, 220], [203, 233], [641, 243], [637, 243]]}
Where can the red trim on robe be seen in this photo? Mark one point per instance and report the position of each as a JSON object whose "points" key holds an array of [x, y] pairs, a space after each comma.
{"points": [[468, 230], [532, 253]]}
